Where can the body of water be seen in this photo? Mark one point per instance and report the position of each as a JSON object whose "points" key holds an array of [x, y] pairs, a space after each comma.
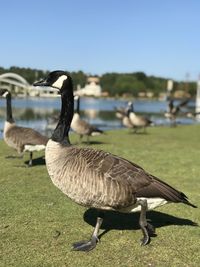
{"points": [[36, 112]]}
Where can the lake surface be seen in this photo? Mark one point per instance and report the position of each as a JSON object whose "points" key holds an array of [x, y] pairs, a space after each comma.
{"points": [[37, 112]]}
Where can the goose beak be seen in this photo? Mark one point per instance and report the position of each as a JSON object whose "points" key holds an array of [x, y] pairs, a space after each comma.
{"points": [[41, 83], [45, 83]]}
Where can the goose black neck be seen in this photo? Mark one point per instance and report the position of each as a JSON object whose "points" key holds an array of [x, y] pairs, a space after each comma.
{"points": [[78, 106], [9, 117], [61, 131]]}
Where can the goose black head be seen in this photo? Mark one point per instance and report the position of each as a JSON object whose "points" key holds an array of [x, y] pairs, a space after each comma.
{"points": [[4, 92], [130, 106], [59, 80]]}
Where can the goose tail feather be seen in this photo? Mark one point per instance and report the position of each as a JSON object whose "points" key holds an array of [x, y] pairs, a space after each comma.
{"points": [[161, 189]]}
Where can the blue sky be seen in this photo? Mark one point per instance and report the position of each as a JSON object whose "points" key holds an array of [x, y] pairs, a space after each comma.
{"points": [[160, 38]]}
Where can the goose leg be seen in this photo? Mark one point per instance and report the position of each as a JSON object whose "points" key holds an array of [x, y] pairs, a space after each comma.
{"points": [[31, 159], [147, 228], [91, 244], [136, 130], [80, 138]]}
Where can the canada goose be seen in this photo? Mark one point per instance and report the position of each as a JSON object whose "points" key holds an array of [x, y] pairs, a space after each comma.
{"points": [[192, 115], [139, 121], [81, 127], [98, 179], [20, 138], [173, 110], [126, 122], [120, 112]]}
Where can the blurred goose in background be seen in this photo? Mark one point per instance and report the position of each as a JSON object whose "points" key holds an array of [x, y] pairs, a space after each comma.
{"points": [[126, 122], [98, 179], [21, 139], [173, 111], [193, 114], [139, 121], [80, 126], [120, 112]]}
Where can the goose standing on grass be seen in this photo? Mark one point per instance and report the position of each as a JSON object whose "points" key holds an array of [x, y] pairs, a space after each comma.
{"points": [[81, 127], [173, 110], [120, 112], [98, 179], [192, 115], [126, 122], [139, 121], [21, 139]]}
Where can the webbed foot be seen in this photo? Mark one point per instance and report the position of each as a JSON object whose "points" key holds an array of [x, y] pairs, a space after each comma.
{"points": [[85, 245], [147, 231]]}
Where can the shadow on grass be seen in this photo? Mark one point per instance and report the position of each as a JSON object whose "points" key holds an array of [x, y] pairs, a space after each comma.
{"points": [[37, 161], [122, 221]]}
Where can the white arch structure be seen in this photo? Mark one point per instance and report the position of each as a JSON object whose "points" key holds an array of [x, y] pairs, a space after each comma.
{"points": [[13, 80], [18, 84]]}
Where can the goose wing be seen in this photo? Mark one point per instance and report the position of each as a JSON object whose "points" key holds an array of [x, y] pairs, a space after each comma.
{"points": [[123, 181], [184, 102], [26, 136], [85, 124], [170, 105], [84, 127], [105, 180], [146, 119]]}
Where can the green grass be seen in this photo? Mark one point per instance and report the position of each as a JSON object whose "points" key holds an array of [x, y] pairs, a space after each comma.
{"points": [[39, 224]]}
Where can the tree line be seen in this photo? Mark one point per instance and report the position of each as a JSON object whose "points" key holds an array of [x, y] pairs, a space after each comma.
{"points": [[115, 84]]}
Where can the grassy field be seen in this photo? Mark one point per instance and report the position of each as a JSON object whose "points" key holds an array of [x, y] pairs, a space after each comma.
{"points": [[39, 224]]}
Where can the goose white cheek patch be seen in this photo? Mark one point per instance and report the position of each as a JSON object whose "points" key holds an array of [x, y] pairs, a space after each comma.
{"points": [[5, 94], [59, 82]]}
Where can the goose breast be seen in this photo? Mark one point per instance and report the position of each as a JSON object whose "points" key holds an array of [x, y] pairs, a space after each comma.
{"points": [[137, 120], [10, 137]]}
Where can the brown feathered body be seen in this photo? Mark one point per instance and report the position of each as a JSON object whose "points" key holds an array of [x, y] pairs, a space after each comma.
{"points": [[23, 138], [127, 123], [139, 121], [82, 127], [95, 178]]}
